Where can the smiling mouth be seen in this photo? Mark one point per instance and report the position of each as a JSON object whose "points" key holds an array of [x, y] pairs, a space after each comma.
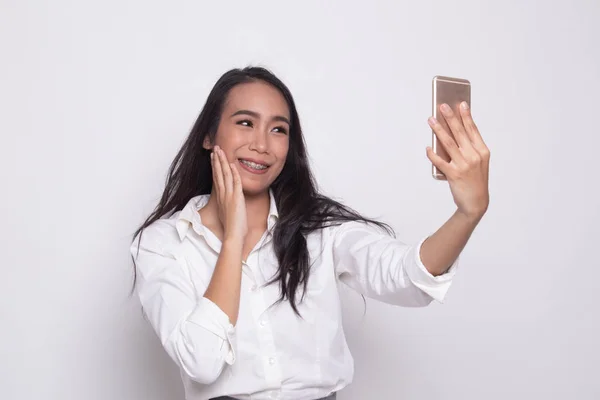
{"points": [[252, 165]]}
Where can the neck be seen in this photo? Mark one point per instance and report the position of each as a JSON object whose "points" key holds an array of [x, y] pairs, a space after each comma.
{"points": [[257, 210]]}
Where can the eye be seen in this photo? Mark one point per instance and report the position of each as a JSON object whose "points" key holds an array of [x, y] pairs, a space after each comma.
{"points": [[245, 122], [280, 129]]}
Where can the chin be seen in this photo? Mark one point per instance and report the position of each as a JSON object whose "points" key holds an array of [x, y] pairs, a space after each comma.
{"points": [[253, 189]]}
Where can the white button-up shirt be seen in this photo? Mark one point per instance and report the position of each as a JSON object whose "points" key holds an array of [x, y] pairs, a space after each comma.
{"points": [[271, 353]]}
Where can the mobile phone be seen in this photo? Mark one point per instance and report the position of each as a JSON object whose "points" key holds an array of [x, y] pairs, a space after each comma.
{"points": [[451, 91]]}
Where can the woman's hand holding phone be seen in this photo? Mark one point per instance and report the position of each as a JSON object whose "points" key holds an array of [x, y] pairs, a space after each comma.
{"points": [[468, 169]]}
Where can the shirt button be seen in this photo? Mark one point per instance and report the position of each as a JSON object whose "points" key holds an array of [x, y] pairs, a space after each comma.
{"points": [[263, 322], [253, 288], [271, 361]]}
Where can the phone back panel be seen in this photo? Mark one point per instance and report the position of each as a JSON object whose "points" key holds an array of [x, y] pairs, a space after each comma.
{"points": [[451, 91]]}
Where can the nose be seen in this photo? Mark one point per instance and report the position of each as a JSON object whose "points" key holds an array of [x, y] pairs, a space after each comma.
{"points": [[259, 141]]}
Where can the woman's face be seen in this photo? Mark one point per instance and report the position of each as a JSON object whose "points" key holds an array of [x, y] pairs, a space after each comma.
{"points": [[254, 134]]}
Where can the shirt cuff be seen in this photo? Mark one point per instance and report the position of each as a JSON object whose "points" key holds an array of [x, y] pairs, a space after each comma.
{"points": [[209, 316], [435, 286]]}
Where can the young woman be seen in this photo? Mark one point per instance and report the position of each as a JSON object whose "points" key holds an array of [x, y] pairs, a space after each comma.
{"points": [[239, 264]]}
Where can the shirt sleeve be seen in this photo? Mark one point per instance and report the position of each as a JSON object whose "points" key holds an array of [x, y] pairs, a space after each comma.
{"points": [[381, 267], [194, 331]]}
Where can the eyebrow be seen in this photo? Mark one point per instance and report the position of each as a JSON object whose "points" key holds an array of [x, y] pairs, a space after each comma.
{"points": [[254, 114]]}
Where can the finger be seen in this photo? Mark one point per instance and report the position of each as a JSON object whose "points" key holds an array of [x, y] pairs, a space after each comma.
{"points": [[217, 173], [212, 168], [447, 140], [467, 121], [237, 180], [456, 126], [472, 130], [439, 162], [226, 171]]}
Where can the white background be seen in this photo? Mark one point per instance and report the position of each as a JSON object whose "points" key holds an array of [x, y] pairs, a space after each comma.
{"points": [[97, 97]]}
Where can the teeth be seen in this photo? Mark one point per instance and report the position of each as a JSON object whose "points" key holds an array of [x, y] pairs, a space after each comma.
{"points": [[253, 165]]}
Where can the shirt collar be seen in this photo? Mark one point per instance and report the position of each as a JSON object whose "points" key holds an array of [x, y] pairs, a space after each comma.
{"points": [[189, 217], [273, 212]]}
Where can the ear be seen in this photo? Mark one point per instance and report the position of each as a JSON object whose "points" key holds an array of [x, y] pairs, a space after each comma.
{"points": [[206, 143]]}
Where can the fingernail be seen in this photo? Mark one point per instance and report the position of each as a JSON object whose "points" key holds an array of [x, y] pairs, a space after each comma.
{"points": [[464, 105], [432, 120], [445, 107]]}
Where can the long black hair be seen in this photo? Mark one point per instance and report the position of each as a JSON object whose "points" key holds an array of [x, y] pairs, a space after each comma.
{"points": [[301, 208]]}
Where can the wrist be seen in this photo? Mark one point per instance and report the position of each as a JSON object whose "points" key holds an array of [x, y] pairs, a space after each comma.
{"points": [[233, 242], [469, 218]]}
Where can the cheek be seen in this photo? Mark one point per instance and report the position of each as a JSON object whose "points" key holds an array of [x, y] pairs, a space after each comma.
{"points": [[282, 151], [229, 143]]}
